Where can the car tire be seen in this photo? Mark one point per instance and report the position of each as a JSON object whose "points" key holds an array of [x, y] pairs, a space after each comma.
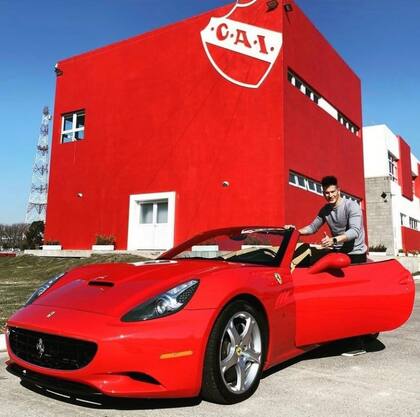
{"points": [[235, 354]]}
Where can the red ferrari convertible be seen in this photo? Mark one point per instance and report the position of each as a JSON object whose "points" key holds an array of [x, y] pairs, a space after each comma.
{"points": [[206, 318]]}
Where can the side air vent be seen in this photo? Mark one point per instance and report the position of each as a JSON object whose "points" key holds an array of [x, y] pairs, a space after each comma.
{"points": [[141, 377]]}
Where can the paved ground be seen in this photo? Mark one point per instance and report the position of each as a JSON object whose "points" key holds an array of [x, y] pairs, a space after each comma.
{"points": [[384, 382]]}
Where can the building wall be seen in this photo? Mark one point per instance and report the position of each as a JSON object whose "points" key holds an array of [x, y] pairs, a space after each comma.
{"points": [[316, 144], [161, 119], [407, 207], [378, 140], [384, 213], [380, 219]]}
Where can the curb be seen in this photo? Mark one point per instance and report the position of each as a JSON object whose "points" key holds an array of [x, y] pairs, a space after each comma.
{"points": [[3, 343]]}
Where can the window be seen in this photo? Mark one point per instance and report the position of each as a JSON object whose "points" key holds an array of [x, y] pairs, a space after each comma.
{"points": [[347, 123], [311, 186], [350, 197], [73, 127], [162, 212], [392, 166], [297, 180], [155, 212], [321, 102], [308, 184], [413, 223], [403, 219], [146, 213], [302, 182]]}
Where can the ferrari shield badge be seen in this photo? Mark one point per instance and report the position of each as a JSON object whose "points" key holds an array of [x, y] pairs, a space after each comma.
{"points": [[40, 347], [278, 278], [241, 52]]}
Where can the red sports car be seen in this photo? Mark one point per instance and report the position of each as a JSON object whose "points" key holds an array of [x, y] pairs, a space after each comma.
{"points": [[206, 317]]}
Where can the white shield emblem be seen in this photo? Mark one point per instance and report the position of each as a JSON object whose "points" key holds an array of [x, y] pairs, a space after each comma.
{"points": [[243, 54]]}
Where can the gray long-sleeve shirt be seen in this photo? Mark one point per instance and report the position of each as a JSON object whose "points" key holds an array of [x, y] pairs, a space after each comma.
{"points": [[346, 218]]}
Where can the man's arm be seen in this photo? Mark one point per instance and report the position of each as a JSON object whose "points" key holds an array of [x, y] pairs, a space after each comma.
{"points": [[354, 222], [312, 228]]}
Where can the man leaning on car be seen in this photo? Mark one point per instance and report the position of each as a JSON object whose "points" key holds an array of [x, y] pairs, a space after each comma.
{"points": [[345, 220]]}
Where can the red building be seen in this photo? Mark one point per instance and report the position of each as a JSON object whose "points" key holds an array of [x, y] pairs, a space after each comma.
{"points": [[228, 118]]}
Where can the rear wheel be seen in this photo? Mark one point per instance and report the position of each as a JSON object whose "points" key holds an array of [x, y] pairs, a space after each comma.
{"points": [[235, 354]]}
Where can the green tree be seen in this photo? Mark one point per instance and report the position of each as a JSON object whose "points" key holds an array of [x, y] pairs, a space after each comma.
{"points": [[34, 237]]}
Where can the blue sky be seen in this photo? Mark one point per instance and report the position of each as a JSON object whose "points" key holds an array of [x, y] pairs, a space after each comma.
{"points": [[379, 39]]}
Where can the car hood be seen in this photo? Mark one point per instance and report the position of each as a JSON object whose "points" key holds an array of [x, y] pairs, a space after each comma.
{"points": [[114, 289]]}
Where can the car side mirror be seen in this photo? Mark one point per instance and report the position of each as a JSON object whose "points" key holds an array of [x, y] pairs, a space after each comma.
{"points": [[330, 261]]}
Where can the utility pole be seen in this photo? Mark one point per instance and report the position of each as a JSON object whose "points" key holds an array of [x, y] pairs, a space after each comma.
{"points": [[37, 203]]}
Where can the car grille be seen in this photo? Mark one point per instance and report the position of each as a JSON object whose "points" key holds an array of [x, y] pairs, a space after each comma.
{"points": [[51, 351]]}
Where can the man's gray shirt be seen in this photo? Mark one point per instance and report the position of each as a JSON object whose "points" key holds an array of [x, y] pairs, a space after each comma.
{"points": [[346, 218]]}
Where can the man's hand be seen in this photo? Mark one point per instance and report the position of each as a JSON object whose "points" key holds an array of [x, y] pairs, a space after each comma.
{"points": [[289, 226], [327, 241]]}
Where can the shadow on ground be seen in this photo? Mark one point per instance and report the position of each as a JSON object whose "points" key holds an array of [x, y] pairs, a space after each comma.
{"points": [[331, 349]]}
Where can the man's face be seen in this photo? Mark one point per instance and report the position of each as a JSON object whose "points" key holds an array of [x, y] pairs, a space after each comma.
{"points": [[331, 194]]}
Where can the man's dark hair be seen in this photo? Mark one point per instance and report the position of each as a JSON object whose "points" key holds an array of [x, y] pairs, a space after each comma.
{"points": [[329, 180]]}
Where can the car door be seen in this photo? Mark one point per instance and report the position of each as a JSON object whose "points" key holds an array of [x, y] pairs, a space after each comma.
{"points": [[356, 300]]}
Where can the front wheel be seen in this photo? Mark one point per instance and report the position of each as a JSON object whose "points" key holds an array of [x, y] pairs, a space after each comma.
{"points": [[235, 354]]}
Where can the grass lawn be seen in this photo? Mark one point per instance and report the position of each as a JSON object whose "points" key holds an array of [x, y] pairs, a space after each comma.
{"points": [[20, 276]]}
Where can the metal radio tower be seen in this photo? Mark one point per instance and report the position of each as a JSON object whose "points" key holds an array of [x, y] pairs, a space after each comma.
{"points": [[37, 203]]}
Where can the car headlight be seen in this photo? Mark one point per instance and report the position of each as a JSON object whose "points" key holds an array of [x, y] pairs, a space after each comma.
{"points": [[44, 287], [164, 304]]}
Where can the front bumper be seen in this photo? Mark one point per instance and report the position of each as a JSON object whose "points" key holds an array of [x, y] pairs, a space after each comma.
{"points": [[150, 359]]}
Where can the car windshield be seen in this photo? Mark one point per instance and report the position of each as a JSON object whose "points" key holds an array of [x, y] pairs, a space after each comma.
{"points": [[262, 246]]}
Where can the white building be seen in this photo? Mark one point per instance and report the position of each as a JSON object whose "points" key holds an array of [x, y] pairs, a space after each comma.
{"points": [[392, 179]]}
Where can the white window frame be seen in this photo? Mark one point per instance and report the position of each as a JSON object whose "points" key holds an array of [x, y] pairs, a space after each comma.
{"points": [[312, 190], [154, 204], [321, 102], [318, 185], [134, 214], [295, 182], [73, 129], [392, 167], [414, 224]]}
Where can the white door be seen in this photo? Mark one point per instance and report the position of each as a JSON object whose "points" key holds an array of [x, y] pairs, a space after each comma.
{"points": [[154, 225], [151, 222]]}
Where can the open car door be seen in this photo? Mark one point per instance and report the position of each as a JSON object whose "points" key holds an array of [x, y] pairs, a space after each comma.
{"points": [[335, 301]]}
